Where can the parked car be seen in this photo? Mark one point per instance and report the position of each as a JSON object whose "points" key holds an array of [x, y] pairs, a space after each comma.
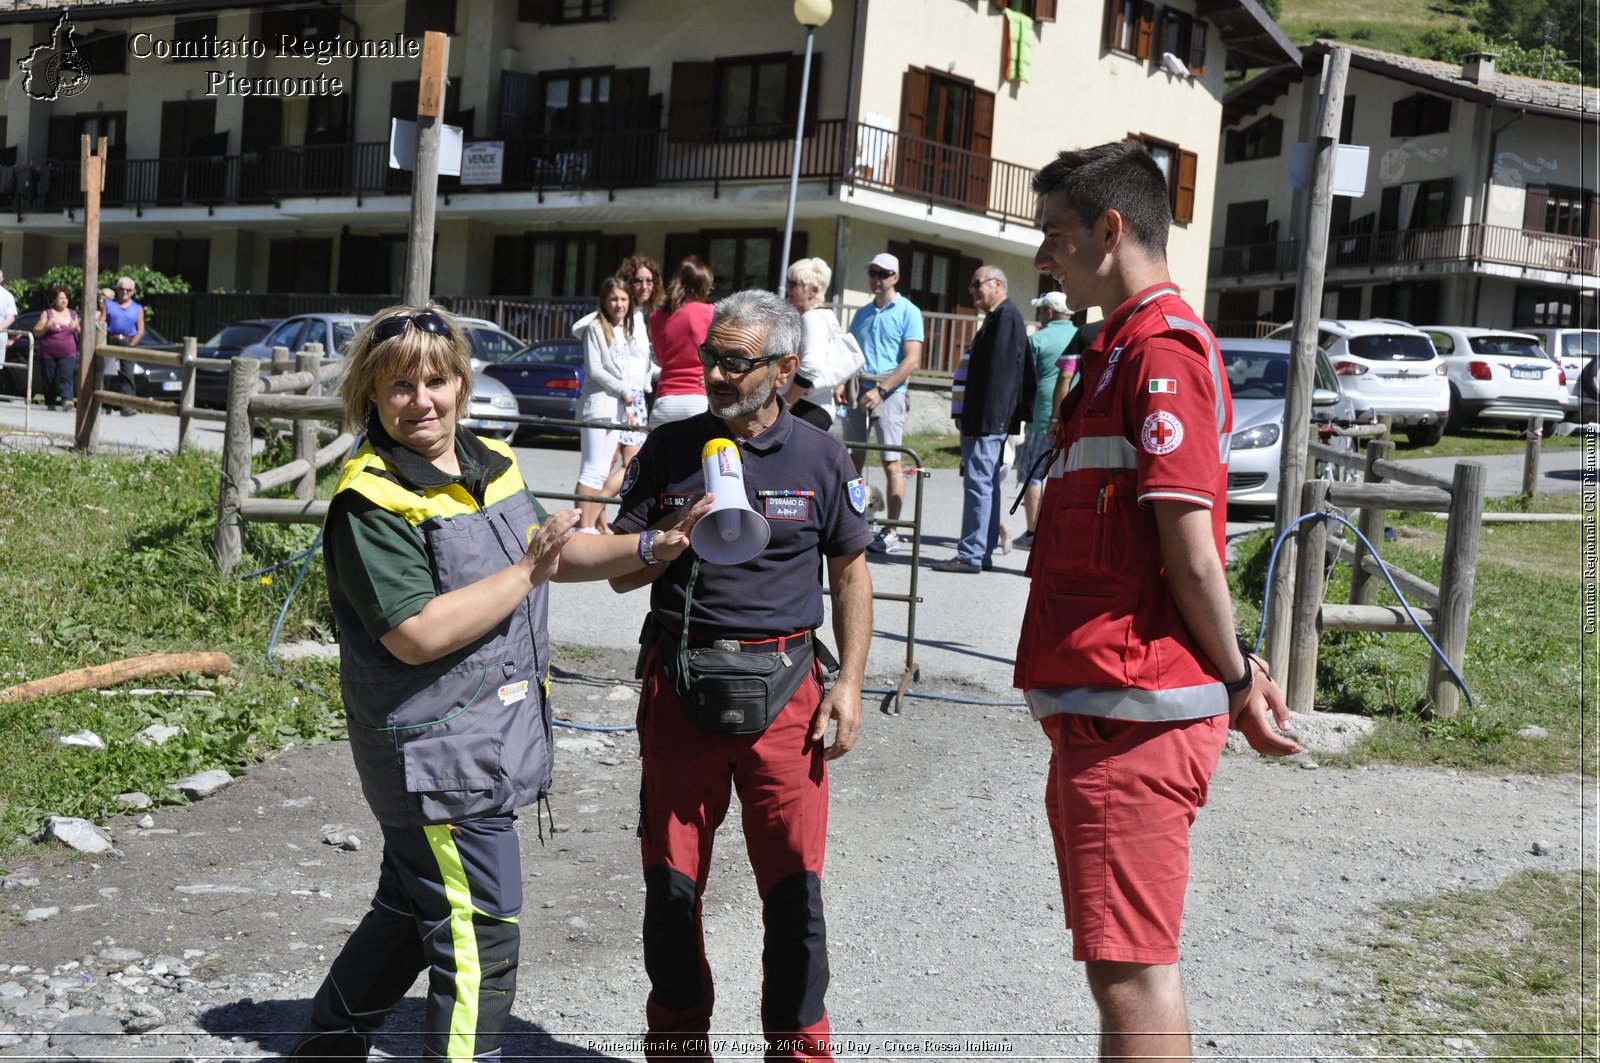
{"points": [[333, 331], [545, 377], [490, 401], [150, 381], [490, 342], [1258, 377], [1574, 348], [1497, 375], [211, 386], [1387, 370]]}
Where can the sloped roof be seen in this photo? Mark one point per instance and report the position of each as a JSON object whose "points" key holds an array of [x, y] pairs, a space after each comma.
{"points": [[1253, 39], [1501, 90]]}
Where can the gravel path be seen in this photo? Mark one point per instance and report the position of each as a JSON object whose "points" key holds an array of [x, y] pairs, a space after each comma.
{"points": [[206, 936]]}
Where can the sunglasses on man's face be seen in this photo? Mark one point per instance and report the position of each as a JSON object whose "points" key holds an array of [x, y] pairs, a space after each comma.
{"points": [[879, 274], [426, 321], [732, 364]]}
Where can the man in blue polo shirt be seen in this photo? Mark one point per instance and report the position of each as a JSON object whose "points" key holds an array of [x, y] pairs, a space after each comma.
{"points": [[799, 479], [889, 330]]}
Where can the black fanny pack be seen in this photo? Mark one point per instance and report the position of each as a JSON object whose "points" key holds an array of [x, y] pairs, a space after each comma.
{"points": [[727, 689]]}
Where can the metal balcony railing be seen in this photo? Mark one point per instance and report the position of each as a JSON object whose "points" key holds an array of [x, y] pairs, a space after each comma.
{"points": [[836, 151], [1498, 244]]}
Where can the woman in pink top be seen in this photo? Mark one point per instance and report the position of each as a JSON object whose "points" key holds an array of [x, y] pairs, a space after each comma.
{"points": [[676, 333]]}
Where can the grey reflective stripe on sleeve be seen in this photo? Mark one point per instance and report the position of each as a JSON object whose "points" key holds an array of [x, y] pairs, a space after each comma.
{"points": [[1148, 706], [1212, 362], [1102, 452]]}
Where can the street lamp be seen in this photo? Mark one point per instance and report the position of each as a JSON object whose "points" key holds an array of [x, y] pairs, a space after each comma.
{"points": [[810, 14]]}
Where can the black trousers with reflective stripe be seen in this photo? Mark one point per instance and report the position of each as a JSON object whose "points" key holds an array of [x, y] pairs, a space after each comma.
{"points": [[447, 902]]}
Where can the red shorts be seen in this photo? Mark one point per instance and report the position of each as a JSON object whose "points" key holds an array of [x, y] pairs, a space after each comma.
{"points": [[1121, 797]]}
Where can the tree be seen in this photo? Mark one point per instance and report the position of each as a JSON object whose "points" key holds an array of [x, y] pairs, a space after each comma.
{"points": [[1451, 46], [31, 294], [1565, 25]]}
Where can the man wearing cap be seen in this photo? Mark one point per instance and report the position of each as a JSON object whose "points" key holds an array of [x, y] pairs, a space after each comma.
{"points": [[990, 411], [889, 330], [700, 739], [1045, 348]]}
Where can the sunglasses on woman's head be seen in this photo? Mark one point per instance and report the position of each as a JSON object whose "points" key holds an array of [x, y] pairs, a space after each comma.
{"points": [[732, 364], [426, 321]]}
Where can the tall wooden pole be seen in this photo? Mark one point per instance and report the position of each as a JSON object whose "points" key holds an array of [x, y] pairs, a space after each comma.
{"points": [[93, 170], [425, 174], [1303, 346]]}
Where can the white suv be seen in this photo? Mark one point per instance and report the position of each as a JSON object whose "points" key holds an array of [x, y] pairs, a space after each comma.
{"points": [[1387, 369], [1498, 375], [1574, 348]]}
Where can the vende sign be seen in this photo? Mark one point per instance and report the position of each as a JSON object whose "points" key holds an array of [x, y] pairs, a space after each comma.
{"points": [[482, 161]]}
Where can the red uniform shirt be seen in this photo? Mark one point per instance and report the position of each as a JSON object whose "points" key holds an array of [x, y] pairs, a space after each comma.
{"points": [[1148, 420]]}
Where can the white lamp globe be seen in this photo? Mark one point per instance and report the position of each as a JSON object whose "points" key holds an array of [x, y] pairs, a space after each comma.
{"points": [[812, 13]]}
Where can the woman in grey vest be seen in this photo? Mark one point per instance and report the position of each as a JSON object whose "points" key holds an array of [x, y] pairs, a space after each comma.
{"points": [[438, 561]]}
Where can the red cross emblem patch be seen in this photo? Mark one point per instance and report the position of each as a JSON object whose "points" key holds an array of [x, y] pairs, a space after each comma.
{"points": [[1161, 434]]}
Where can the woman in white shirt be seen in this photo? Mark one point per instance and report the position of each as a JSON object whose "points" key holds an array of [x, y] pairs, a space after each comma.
{"points": [[616, 373], [808, 285]]}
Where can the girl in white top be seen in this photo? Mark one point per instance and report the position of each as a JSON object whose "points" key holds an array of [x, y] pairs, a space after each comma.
{"points": [[617, 372], [808, 284]]}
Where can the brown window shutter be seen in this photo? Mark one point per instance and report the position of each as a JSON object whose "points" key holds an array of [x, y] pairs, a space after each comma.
{"points": [[1114, 10], [1044, 10], [982, 137], [1005, 49], [1147, 25], [1533, 208], [691, 113], [914, 103], [1183, 197], [541, 11], [1197, 48]]}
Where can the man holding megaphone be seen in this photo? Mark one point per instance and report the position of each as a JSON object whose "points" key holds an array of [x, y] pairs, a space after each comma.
{"points": [[733, 695]]}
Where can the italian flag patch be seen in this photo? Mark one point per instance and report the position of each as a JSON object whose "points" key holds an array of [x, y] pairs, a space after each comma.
{"points": [[1163, 386]]}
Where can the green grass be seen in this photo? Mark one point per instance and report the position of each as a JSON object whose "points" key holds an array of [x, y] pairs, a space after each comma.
{"points": [[1509, 965], [1478, 441], [109, 558], [1392, 25], [938, 450], [1523, 650]]}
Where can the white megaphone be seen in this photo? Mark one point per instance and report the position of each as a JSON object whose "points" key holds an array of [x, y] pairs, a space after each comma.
{"points": [[732, 533]]}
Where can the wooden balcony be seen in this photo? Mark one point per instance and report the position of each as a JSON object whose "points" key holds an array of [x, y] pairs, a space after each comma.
{"points": [[1368, 253], [835, 151]]}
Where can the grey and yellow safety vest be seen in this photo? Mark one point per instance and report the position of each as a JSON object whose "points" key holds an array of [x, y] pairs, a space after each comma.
{"points": [[467, 734]]}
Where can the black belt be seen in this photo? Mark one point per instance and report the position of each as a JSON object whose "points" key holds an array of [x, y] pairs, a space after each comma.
{"points": [[700, 642]]}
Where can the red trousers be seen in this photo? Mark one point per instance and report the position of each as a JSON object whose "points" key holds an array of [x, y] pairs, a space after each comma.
{"points": [[687, 777]]}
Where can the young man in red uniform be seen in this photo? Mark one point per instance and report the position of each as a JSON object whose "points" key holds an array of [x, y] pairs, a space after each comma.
{"points": [[1128, 654]]}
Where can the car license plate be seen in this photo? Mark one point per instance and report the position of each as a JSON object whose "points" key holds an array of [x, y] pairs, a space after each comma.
{"points": [[172, 385], [1527, 374]]}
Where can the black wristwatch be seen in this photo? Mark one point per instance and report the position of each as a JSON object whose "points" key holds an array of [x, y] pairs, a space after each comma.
{"points": [[1243, 682], [647, 541]]}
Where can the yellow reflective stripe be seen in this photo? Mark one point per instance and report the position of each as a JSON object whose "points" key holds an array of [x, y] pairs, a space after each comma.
{"points": [[469, 971], [507, 483], [451, 501]]}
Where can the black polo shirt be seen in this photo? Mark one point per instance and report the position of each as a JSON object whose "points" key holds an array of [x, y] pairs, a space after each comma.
{"points": [[779, 591]]}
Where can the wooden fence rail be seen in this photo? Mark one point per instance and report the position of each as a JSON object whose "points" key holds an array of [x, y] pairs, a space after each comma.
{"points": [[1388, 485], [295, 396]]}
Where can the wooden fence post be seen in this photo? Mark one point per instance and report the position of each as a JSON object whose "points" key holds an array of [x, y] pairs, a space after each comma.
{"points": [[1456, 578], [186, 401], [1363, 588], [1304, 622], [1530, 458], [305, 431], [243, 379]]}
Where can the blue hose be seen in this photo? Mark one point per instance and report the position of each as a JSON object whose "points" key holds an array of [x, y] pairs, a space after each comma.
{"points": [[1272, 560]]}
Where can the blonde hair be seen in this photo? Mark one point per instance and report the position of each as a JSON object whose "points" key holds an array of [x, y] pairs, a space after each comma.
{"points": [[366, 363], [812, 273], [607, 286]]}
